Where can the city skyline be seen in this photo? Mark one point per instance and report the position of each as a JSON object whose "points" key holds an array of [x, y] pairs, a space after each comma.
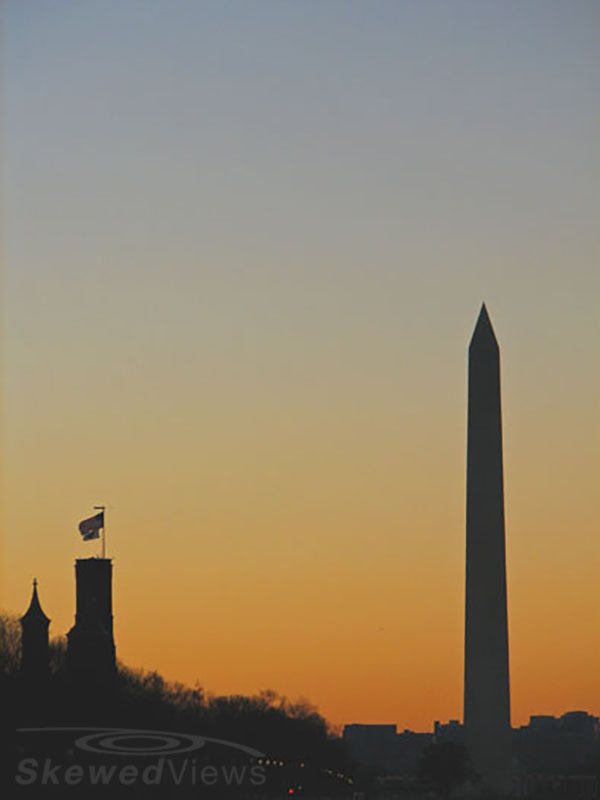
{"points": [[243, 254]]}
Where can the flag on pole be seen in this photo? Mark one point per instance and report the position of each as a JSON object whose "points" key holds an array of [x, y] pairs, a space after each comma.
{"points": [[90, 528]]}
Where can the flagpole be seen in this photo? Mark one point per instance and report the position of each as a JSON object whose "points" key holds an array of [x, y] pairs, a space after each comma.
{"points": [[103, 509]]}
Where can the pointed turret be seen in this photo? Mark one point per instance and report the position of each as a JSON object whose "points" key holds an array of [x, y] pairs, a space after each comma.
{"points": [[34, 638], [35, 612]]}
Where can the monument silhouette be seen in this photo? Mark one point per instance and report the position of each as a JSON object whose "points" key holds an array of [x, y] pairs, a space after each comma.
{"points": [[486, 688]]}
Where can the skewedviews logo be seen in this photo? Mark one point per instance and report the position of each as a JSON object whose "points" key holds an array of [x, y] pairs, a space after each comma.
{"points": [[160, 757]]}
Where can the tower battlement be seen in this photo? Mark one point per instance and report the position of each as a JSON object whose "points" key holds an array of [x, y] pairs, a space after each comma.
{"points": [[91, 652]]}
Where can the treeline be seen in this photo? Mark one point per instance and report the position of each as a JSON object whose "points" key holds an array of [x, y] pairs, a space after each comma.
{"points": [[288, 733]]}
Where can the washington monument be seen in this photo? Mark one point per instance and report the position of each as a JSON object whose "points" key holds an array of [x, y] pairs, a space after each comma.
{"points": [[486, 694]]}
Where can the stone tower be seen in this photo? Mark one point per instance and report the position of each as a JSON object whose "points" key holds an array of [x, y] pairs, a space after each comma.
{"points": [[91, 655], [486, 691], [34, 639]]}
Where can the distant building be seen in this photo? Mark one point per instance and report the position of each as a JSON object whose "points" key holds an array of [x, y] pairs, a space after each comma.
{"points": [[451, 731], [382, 749], [34, 639], [91, 656], [372, 746], [557, 744], [409, 750], [552, 756], [553, 786]]}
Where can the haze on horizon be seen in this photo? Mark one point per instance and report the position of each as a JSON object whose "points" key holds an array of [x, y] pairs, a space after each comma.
{"points": [[244, 249]]}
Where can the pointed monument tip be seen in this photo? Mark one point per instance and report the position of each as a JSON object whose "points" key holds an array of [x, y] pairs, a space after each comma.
{"points": [[483, 327]]}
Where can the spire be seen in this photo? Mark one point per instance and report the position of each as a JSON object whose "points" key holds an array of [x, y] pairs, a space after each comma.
{"points": [[34, 612], [483, 335]]}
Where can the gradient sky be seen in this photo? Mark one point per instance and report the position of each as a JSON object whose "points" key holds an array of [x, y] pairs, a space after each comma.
{"points": [[244, 248]]}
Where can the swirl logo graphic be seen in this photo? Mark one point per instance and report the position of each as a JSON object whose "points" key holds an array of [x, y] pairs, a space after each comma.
{"points": [[139, 742]]}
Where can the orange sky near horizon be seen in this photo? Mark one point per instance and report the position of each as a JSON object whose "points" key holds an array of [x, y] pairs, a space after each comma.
{"points": [[337, 573], [243, 255]]}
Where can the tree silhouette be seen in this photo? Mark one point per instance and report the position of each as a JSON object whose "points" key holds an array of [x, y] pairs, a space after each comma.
{"points": [[291, 734], [10, 644], [445, 765]]}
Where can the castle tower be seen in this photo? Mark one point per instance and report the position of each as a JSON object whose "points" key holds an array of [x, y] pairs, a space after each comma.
{"points": [[90, 644], [486, 691], [34, 639]]}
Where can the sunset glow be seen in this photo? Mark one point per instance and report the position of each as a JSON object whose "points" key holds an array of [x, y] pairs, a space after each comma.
{"points": [[245, 246]]}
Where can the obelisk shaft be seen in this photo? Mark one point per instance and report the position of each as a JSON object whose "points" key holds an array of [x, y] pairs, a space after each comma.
{"points": [[486, 692]]}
